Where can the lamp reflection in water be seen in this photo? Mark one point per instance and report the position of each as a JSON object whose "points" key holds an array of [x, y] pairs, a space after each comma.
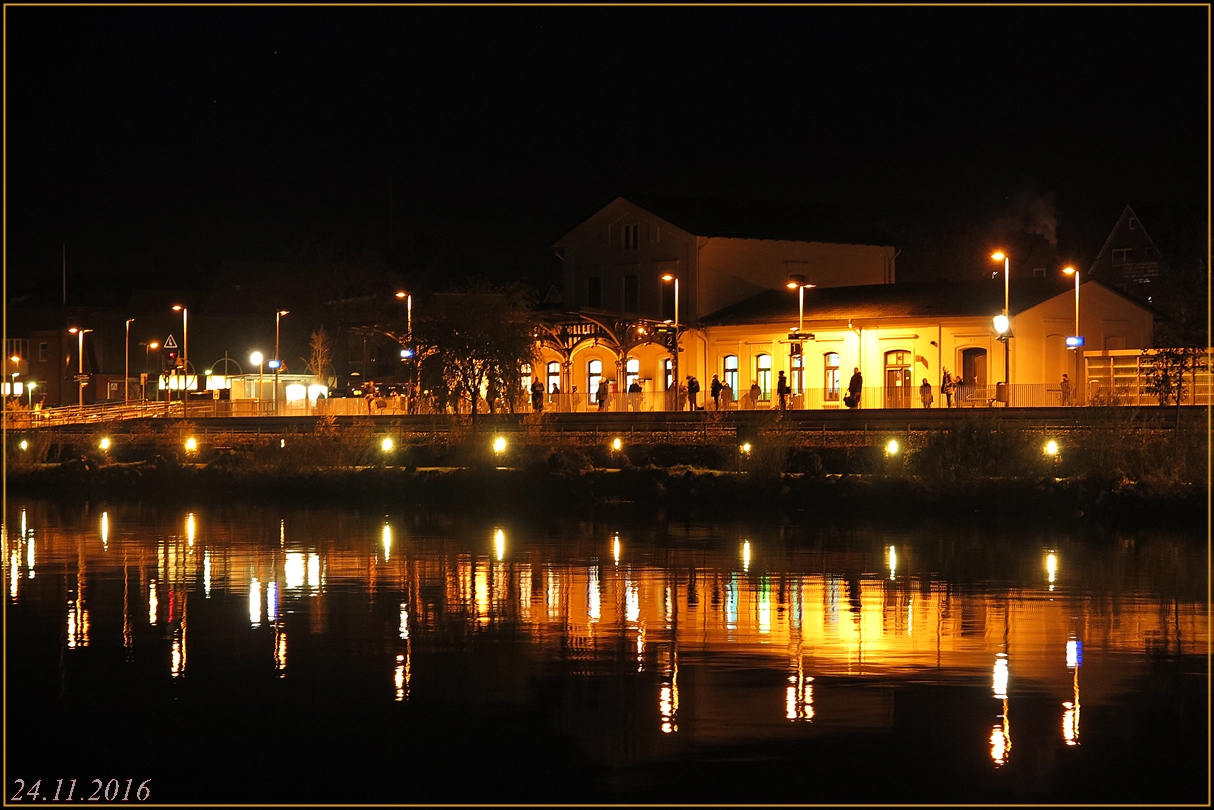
{"points": [[1070, 717], [893, 562], [153, 602], [799, 694], [1001, 734], [1051, 568], [668, 691], [615, 549], [255, 602], [745, 555], [387, 542], [499, 543], [403, 672], [594, 604], [105, 530]]}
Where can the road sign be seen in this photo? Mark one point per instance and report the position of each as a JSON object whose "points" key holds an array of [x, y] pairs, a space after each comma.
{"points": [[170, 343]]}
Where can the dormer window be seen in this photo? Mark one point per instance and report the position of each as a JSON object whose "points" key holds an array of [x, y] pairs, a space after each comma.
{"points": [[631, 236]]}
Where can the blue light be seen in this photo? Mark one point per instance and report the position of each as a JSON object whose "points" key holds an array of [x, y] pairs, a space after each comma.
{"points": [[405, 354], [274, 363], [1074, 342]]}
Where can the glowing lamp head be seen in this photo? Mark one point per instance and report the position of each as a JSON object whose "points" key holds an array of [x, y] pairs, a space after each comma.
{"points": [[255, 358], [892, 447], [746, 448], [668, 277], [386, 445], [178, 307], [24, 445], [1070, 271], [1051, 448], [191, 444], [499, 445], [104, 444], [616, 444], [1001, 323], [998, 255]]}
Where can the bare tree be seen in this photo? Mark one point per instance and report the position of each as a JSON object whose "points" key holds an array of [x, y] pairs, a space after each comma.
{"points": [[320, 365]]}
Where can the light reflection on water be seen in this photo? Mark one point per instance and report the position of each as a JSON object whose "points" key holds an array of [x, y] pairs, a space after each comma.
{"points": [[631, 646]]}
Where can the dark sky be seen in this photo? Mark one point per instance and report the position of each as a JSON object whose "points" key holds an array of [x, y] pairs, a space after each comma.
{"points": [[155, 140]]}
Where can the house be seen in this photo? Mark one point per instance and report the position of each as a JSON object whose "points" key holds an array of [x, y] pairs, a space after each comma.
{"points": [[1130, 261], [737, 317]]}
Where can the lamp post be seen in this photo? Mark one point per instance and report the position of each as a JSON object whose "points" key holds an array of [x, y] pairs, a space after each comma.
{"points": [[1003, 323], [797, 282], [412, 355], [30, 386], [678, 406], [277, 362], [1071, 271], [256, 359], [148, 345], [126, 374], [79, 333], [185, 358]]}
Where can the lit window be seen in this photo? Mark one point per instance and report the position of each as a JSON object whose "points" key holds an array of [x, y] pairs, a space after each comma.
{"points": [[632, 370], [594, 376], [554, 376], [731, 372], [830, 383], [763, 375]]}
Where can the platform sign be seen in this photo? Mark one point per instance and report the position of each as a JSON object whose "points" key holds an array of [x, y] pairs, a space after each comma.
{"points": [[1074, 342]]}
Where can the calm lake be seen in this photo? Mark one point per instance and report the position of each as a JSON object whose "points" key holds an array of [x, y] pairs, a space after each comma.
{"points": [[247, 653]]}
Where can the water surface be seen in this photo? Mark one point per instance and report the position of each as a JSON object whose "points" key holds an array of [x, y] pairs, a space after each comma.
{"points": [[260, 654]]}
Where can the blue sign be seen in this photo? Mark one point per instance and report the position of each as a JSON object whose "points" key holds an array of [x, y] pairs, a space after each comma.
{"points": [[1074, 342], [405, 354], [274, 363]]}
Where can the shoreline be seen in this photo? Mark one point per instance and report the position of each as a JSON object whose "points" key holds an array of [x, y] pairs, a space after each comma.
{"points": [[677, 490]]}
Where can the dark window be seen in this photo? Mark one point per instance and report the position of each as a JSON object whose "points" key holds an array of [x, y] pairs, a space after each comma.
{"points": [[1133, 224], [594, 292], [630, 294], [631, 234], [1150, 251], [1123, 255], [44, 352]]}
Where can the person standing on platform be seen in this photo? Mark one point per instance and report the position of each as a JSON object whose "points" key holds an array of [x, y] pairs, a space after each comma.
{"points": [[783, 389], [925, 393], [715, 389], [854, 388]]}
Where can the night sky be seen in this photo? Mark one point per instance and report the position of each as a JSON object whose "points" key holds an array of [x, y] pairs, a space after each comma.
{"points": [[157, 141]]}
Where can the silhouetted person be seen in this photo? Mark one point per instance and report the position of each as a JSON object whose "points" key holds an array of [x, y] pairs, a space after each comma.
{"points": [[854, 387], [925, 393], [537, 396], [783, 389], [693, 390], [715, 390]]}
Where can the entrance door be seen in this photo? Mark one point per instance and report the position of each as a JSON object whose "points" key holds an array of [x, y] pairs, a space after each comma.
{"points": [[897, 379], [973, 375]]}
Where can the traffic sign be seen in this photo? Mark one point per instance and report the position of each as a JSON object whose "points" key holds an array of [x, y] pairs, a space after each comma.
{"points": [[170, 343]]}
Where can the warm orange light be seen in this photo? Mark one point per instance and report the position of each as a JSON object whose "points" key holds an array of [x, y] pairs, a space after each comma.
{"points": [[668, 277], [998, 255], [177, 307], [73, 330], [155, 344], [15, 359], [792, 285], [401, 294], [1068, 270]]}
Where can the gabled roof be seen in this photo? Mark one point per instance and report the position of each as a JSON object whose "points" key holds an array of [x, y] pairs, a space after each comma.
{"points": [[762, 220], [1122, 223], [927, 299]]}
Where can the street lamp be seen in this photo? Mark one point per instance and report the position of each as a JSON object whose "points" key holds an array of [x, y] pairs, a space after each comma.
{"points": [[30, 386], [147, 345], [256, 359], [185, 357], [1002, 322], [1078, 342], [797, 282], [410, 355], [277, 362], [79, 333], [126, 374], [678, 406]]}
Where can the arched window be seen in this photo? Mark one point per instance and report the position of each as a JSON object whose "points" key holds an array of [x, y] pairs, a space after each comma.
{"points": [[731, 373], [594, 376], [632, 370], [830, 380], [554, 376], [763, 375]]}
